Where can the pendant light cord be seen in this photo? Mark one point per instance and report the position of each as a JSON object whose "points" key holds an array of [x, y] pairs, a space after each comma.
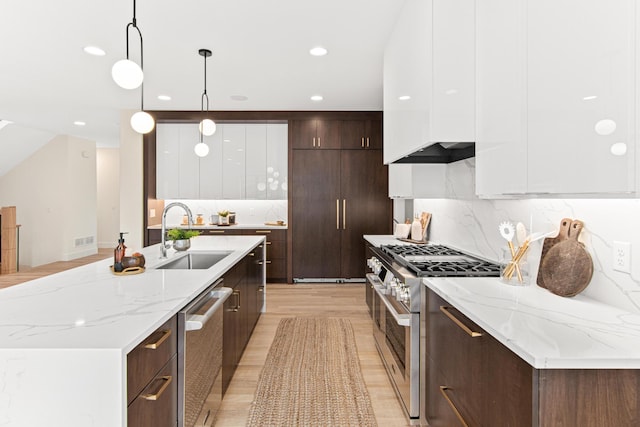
{"points": [[134, 24]]}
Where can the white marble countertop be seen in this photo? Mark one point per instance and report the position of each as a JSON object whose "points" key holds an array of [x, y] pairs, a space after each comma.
{"points": [[223, 227], [544, 329], [64, 337]]}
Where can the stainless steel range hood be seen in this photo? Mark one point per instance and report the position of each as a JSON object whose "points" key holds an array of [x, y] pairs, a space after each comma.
{"points": [[441, 152]]}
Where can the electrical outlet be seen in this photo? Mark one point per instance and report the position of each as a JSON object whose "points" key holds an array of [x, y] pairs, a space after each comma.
{"points": [[152, 213], [622, 256]]}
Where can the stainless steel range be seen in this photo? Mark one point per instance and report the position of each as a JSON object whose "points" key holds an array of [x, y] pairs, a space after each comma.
{"points": [[393, 295]]}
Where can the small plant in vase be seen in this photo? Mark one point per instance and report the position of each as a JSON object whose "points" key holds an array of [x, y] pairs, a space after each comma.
{"points": [[223, 217], [181, 238]]}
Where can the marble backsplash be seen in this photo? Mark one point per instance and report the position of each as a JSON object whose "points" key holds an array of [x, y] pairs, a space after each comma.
{"points": [[247, 211], [467, 222]]}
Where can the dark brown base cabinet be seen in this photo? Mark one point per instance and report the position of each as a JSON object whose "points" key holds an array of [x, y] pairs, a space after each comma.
{"points": [[472, 379], [152, 379], [276, 246], [241, 310]]}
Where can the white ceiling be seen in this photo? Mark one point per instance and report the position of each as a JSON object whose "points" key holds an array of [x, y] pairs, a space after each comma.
{"points": [[260, 50]]}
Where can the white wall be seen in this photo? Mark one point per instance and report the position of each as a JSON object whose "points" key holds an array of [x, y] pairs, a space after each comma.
{"points": [[54, 191], [131, 179], [464, 221], [108, 197]]}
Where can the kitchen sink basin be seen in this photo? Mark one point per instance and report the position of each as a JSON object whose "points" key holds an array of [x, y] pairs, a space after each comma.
{"points": [[194, 261]]}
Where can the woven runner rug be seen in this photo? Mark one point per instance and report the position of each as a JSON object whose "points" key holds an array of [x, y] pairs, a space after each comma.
{"points": [[312, 377]]}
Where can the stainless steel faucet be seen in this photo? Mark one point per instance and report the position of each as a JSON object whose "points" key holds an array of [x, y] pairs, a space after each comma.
{"points": [[163, 245]]}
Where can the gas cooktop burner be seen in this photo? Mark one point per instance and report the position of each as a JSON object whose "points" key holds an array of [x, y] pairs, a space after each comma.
{"points": [[414, 250], [458, 268], [439, 260]]}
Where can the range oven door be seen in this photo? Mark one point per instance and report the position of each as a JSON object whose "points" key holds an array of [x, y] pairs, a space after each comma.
{"points": [[397, 336]]}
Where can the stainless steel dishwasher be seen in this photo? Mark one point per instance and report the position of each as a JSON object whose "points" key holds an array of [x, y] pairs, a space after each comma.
{"points": [[200, 357]]}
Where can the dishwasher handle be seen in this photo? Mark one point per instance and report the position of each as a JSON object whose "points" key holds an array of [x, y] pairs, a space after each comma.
{"points": [[195, 322]]}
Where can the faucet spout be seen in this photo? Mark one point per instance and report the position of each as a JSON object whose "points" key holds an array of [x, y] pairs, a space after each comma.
{"points": [[163, 244]]}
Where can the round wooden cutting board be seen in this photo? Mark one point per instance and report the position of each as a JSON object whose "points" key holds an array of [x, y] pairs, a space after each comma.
{"points": [[567, 267], [549, 242]]}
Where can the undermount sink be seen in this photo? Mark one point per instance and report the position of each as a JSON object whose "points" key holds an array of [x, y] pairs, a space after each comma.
{"points": [[194, 261]]}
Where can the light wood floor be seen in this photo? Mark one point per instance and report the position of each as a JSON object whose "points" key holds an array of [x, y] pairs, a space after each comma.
{"points": [[317, 300], [283, 300]]}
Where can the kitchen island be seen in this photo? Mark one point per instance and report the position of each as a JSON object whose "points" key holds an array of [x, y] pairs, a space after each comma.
{"points": [[64, 338]]}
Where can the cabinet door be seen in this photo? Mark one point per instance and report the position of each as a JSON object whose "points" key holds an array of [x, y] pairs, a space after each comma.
{"points": [[453, 93], [157, 404], [408, 73], [233, 161], [354, 134], [211, 178], [255, 153], [580, 72], [315, 218], [230, 339], [177, 173], [328, 134], [501, 140], [303, 134], [365, 207], [276, 162]]}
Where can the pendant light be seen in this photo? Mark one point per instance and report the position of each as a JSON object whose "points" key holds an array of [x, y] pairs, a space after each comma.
{"points": [[126, 73], [207, 126]]}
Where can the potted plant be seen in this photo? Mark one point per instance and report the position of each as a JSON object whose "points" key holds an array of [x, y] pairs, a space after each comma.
{"points": [[223, 217], [181, 238]]}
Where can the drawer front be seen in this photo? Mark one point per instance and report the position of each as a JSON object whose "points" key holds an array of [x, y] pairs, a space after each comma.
{"points": [[144, 361], [276, 249], [157, 404], [272, 235], [277, 270], [220, 232]]}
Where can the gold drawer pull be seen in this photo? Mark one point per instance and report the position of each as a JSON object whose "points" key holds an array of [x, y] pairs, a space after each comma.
{"points": [[462, 326], [263, 231], [252, 254], [165, 383], [163, 338], [443, 390], [216, 231], [266, 262], [268, 243]]}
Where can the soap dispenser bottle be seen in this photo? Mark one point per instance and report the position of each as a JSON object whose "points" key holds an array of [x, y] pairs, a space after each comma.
{"points": [[118, 254]]}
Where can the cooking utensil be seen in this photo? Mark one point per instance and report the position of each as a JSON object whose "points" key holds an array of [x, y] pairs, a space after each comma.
{"points": [[567, 268], [508, 231], [521, 233], [549, 242]]}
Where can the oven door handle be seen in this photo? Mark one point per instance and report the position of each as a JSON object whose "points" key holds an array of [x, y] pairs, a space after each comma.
{"points": [[195, 322], [401, 319]]}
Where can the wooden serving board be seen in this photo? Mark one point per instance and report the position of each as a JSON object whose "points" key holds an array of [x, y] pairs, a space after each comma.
{"points": [[549, 242], [567, 268]]}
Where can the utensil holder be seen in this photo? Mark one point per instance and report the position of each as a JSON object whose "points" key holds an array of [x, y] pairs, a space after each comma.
{"points": [[514, 270]]}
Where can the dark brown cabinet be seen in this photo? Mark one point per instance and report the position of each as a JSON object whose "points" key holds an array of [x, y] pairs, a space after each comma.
{"points": [[472, 379], [315, 134], [152, 382], [241, 310], [336, 196], [361, 134]]}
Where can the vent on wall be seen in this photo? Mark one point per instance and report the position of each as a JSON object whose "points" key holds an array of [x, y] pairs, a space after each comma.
{"points": [[83, 241]]}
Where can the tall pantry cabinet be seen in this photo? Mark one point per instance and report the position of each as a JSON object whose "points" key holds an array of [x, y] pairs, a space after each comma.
{"points": [[338, 194]]}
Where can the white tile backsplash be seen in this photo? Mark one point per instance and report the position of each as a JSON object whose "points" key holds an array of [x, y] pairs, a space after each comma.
{"points": [[470, 223], [247, 211]]}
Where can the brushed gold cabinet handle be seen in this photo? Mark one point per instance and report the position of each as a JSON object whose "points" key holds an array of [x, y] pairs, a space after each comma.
{"points": [[268, 243], [263, 231], [337, 214], [163, 338], [166, 380], [252, 254], [362, 142], [443, 390], [314, 141], [216, 231], [461, 325], [318, 142], [367, 142], [266, 262], [344, 214]]}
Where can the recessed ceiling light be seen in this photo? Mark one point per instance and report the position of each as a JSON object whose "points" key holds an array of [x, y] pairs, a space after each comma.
{"points": [[94, 50], [164, 97], [318, 51], [404, 98], [239, 97], [317, 98], [79, 123], [3, 123], [590, 97]]}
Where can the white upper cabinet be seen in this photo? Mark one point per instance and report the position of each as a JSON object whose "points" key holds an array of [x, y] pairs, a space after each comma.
{"points": [[556, 97], [417, 181], [429, 77], [245, 161]]}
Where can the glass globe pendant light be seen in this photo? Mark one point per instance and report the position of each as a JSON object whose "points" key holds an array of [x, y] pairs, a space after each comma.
{"points": [[126, 73], [207, 126]]}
